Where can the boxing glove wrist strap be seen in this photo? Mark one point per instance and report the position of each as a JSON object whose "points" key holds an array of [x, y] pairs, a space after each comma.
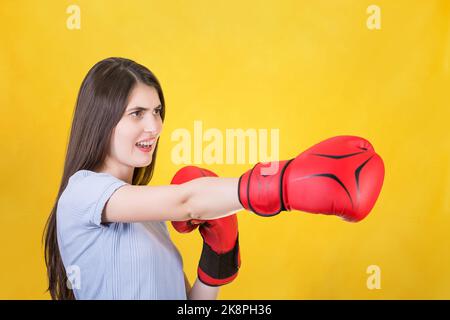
{"points": [[260, 189], [219, 266]]}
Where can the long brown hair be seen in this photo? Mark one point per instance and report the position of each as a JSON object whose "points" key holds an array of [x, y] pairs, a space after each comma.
{"points": [[100, 105]]}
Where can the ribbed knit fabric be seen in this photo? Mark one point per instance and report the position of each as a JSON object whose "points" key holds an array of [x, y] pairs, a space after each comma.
{"points": [[116, 260]]}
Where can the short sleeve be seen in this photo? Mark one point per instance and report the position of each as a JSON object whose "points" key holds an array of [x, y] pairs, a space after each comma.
{"points": [[88, 192]]}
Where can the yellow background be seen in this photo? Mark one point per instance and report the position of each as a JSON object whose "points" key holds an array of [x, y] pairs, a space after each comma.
{"points": [[310, 68]]}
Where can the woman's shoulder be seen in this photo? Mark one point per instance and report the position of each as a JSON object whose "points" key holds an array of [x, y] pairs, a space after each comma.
{"points": [[88, 176], [87, 185], [82, 174], [85, 196]]}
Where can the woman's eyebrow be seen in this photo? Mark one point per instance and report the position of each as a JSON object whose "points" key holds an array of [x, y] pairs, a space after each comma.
{"points": [[142, 108]]}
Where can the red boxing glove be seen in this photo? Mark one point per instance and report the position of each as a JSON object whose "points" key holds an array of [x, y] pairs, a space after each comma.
{"points": [[220, 259], [340, 176]]}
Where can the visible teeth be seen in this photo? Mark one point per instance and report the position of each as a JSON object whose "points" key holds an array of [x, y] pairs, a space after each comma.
{"points": [[145, 145]]}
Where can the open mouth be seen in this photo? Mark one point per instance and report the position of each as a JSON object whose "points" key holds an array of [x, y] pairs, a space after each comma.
{"points": [[145, 146]]}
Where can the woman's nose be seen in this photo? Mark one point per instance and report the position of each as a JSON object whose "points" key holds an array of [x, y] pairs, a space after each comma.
{"points": [[153, 125]]}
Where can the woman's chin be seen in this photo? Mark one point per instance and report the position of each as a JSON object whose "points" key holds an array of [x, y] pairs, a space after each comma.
{"points": [[144, 164]]}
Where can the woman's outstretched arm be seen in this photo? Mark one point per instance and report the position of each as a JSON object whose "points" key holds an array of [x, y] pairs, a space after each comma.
{"points": [[204, 198]]}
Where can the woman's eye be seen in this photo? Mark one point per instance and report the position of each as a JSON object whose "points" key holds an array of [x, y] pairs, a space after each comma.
{"points": [[158, 110], [139, 113], [136, 113]]}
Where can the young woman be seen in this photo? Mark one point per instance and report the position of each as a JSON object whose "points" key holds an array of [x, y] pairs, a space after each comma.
{"points": [[107, 230], [121, 249]]}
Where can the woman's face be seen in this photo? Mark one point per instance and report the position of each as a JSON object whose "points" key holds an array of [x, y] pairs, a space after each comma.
{"points": [[135, 136]]}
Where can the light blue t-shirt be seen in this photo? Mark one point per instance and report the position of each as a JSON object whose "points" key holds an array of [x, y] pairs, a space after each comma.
{"points": [[116, 260]]}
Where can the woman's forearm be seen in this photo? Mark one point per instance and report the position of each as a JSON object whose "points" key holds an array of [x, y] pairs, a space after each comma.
{"points": [[201, 291], [212, 197]]}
